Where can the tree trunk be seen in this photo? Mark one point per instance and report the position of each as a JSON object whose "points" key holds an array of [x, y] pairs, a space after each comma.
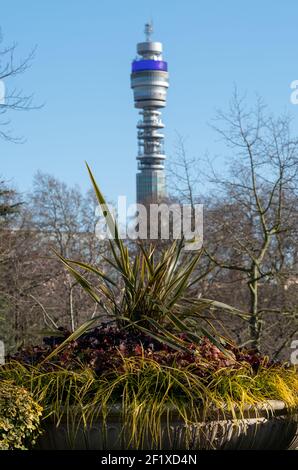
{"points": [[255, 324]]}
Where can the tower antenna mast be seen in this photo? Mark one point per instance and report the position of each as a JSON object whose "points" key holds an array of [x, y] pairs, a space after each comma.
{"points": [[148, 30]]}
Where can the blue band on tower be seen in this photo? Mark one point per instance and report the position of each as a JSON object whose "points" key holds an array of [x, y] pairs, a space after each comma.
{"points": [[139, 65]]}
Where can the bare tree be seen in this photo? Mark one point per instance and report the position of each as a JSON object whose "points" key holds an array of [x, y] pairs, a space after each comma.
{"points": [[255, 211], [250, 223], [12, 99], [36, 292], [65, 219], [183, 174]]}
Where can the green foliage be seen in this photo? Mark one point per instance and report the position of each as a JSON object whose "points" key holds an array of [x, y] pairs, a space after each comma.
{"points": [[150, 393], [151, 291], [19, 417]]}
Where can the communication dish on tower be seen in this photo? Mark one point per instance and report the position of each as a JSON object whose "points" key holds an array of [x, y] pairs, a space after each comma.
{"points": [[148, 31]]}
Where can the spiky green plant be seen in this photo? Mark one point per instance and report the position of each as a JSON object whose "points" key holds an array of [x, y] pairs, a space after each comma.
{"points": [[151, 290]]}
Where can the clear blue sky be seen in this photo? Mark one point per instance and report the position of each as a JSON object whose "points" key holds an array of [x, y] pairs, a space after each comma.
{"points": [[82, 69]]}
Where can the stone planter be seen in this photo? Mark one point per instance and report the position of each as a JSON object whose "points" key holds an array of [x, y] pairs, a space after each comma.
{"points": [[267, 426]]}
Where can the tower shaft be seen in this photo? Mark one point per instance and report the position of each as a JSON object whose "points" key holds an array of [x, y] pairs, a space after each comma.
{"points": [[149, 81]]}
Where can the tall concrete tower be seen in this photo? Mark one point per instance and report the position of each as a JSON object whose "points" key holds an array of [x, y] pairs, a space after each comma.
{"points": [[149, 81]]}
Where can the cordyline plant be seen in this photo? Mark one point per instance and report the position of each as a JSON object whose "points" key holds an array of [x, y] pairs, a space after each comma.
{"points": [[151, 295]]}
